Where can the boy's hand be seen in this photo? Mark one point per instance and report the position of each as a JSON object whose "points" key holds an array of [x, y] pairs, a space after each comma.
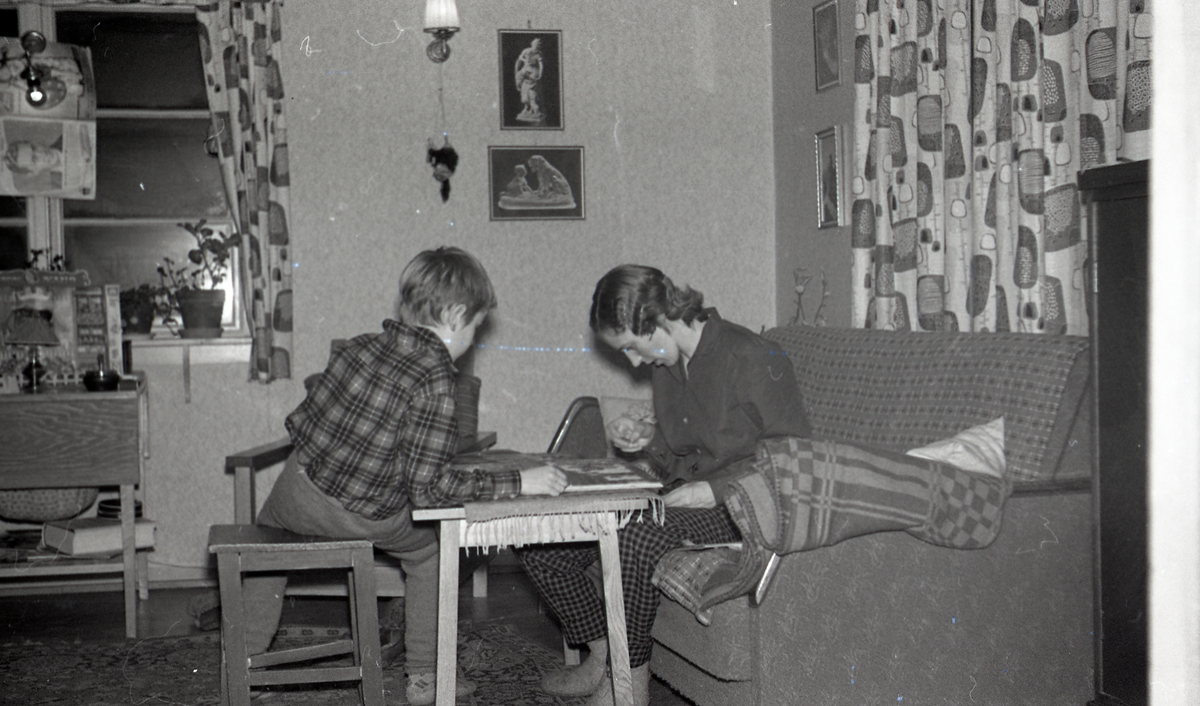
{"points": [[544, 480], [698, 494], [630, 435]]}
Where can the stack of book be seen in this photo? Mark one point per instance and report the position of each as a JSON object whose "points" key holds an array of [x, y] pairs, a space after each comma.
{"points": [[94, 536]]}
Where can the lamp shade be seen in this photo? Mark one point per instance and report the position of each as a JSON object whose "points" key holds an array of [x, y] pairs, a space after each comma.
{"points": [[28, 327], [441, 14]]}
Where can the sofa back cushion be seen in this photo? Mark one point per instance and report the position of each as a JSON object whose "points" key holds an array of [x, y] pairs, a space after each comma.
{"points": [[901, 390]]}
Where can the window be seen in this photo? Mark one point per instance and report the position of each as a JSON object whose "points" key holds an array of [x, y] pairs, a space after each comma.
{"points": [[153, 170], [14, 222]]}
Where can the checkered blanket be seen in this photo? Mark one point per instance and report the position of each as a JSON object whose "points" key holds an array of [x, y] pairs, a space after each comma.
{"points": [[805, 494]]}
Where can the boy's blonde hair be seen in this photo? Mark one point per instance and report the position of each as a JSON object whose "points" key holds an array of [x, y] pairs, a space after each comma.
{"points": [[436, 280]]}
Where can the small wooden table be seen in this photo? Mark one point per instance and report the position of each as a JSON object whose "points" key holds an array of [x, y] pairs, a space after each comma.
{"points": [[68, 437], [571, 517]]}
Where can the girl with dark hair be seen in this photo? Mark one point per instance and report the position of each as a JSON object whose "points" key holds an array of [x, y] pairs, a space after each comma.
{"points": [[718, 389]]}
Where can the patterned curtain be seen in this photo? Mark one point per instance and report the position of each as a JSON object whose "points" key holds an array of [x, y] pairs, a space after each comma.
{"points": [[240, 45], [972, 120]]}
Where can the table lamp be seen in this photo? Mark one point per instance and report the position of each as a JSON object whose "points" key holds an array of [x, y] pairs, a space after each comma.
{"points": [[28, 327]]}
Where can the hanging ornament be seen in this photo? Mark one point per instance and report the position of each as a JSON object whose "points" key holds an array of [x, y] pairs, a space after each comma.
{"points": [[444, 161]]}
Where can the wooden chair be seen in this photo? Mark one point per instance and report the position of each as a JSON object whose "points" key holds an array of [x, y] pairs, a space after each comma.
{"points": [[242, 549], [580, 434]]}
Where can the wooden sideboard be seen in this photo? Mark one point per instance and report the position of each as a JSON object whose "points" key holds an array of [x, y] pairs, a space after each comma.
{"points": [[68, 437]]}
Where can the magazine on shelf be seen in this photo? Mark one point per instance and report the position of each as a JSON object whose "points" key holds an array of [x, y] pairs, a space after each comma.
{"points": [[583, 474]]}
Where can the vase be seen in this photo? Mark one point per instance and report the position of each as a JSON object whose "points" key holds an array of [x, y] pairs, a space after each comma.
{"points": [[201, 311]]}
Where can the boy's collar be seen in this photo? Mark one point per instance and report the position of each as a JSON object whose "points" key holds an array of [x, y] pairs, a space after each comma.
{"points": [[422, 334]]}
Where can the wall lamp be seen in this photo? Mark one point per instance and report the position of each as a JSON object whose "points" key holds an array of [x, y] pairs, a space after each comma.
{"points": [[33, 43], [441, 20]]}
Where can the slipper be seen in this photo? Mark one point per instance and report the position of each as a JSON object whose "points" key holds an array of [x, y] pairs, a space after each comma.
{"points": [[569, 682]]}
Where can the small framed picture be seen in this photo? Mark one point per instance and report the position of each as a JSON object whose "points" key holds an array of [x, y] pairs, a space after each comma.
{"points": [[531, 79], [829, 177], [826, 51], [536, 183]]}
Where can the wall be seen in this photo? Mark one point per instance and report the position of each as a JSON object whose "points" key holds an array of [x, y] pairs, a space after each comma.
{"points": [[799, 113], [672, 103]]}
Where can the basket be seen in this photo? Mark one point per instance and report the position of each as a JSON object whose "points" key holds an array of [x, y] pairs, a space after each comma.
{"points": [[45, 504]]}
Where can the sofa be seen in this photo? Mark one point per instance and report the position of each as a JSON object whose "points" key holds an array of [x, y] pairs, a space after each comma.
{"points": [[886, 618]]}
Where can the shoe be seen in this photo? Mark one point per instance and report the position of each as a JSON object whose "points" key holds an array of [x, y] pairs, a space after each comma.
{"points": [[391, 644], [571, 682], [209, 619], [205, 610], [391, 631], [422, 689], [641, 689]]}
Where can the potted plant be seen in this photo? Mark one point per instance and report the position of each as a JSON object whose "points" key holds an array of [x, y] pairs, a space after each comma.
{"points": [[139, 306], [192, 289]]}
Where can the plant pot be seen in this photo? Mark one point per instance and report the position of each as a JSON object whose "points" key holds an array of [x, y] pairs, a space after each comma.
{"points": [[201, 311], [137, 318]]}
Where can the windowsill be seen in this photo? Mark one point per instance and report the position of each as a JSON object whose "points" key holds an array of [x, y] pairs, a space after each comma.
{"points": [[167, 349]]}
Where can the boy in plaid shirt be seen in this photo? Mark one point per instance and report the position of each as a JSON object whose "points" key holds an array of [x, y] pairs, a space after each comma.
{"points": [[372, 441]]}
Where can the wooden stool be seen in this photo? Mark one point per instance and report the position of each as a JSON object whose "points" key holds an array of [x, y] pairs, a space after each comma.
{"points": [[247, 548]]}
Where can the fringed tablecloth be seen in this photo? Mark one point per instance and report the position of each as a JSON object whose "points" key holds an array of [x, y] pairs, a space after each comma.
{"points": [[571, 517]]}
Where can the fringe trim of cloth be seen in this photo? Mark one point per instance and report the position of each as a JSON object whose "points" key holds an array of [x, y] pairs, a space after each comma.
{"points": [[572, 518]]}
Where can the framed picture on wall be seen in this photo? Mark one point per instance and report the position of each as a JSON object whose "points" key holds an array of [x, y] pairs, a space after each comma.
{"points": [[829, 177], [826, 52], [536, 183], [531, 79]]}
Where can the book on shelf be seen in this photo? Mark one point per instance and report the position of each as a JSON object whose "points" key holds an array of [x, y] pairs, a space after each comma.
{"points": [[98, 326], [91, 536], [583, 474]]}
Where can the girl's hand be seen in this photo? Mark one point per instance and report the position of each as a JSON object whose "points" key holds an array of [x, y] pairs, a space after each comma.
{"points": [[630, 435], [543, 480], [698, 494]]}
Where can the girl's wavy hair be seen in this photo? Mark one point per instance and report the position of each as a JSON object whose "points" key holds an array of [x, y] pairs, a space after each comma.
{"points": [[436, 280], [633, 297]]}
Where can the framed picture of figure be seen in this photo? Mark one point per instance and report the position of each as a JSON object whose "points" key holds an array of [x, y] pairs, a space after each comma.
{"points": [[826, 53], [531, 79], [829, 177], [536, 183]]}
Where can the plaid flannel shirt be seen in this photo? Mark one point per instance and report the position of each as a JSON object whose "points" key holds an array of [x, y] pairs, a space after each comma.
{"points": [[377, 429]]}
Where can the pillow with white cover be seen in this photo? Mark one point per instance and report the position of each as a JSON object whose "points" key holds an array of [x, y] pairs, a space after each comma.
{"points": [[979, 449]]}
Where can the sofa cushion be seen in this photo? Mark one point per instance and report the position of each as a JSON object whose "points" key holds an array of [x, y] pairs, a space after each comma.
{"points": [[900, 390]]}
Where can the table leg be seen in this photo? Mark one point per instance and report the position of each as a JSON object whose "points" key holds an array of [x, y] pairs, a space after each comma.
{"points": [[447, 646], [143, 576], [479, 580], [128, 560], [614, 604]]}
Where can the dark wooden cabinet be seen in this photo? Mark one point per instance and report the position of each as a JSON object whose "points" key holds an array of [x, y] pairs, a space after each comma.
{"points": [[1116, 198]]}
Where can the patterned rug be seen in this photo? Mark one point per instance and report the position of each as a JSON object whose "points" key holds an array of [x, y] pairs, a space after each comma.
{"points": [[185, 671]]}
